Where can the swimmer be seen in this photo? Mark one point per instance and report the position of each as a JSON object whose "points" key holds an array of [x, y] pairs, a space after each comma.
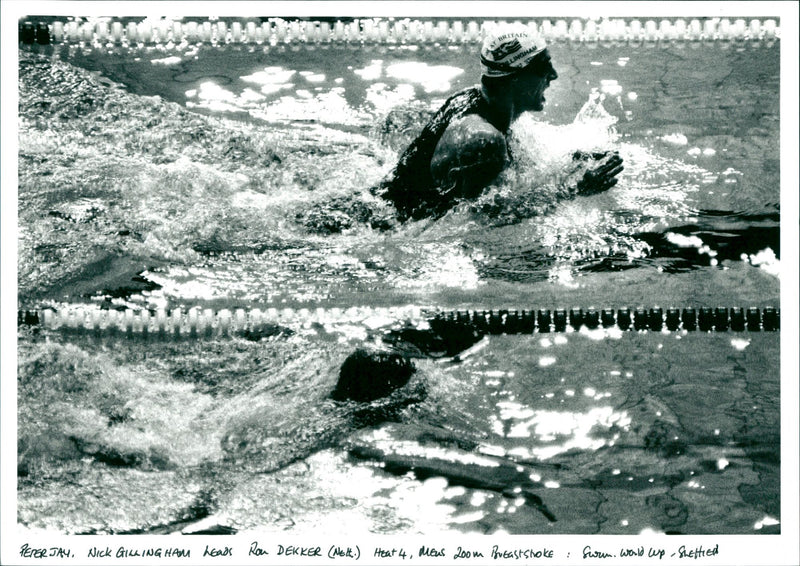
{"points": [[464, 147]]}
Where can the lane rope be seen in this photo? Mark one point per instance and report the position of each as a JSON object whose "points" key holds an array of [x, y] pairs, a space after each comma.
{"points": [[277, 31], [199, 323]]}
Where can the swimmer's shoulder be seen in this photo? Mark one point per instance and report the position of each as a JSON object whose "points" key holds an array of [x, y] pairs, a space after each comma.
{"points": [[470, 141]]}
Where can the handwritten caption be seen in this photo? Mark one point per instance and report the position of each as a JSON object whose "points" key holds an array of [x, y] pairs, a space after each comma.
{"points": [[373, 554], [650, 552]]}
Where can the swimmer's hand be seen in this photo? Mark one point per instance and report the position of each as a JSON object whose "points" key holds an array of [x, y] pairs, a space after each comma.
{"points": [[603, 176]]}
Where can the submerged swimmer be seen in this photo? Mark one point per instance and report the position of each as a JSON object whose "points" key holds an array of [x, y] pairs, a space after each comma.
{"points": [[377, 386], [464, 147]]}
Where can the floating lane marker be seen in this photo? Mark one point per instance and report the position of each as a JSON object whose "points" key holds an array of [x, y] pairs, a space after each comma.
{"points": [[197, 323], [375, 31]]}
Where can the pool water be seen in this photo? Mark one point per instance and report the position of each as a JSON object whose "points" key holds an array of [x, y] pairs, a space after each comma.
{"points": [[238, 177]]}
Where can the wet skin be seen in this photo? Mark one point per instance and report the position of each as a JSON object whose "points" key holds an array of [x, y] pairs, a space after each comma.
{"points": [[531, 83], [472, 152]]}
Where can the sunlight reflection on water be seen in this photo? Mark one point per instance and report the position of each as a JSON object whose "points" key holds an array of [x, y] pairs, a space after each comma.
{"points": [[557, 431]]}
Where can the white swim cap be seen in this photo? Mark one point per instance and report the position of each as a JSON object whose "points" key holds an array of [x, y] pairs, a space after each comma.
{"points": [[508, 49]]}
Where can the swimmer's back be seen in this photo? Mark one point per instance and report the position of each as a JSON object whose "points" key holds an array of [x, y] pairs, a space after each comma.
{"points": [[469, 156], [415, 186]]}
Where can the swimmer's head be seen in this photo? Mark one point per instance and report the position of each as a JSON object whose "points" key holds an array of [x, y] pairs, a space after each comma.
{"points": [[507, 50], [516, 67]]}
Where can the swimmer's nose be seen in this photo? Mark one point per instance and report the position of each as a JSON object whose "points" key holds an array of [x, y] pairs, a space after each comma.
{"points": [[552, 75]]}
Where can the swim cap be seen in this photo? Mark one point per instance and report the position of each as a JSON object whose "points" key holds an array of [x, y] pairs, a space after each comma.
{"points": [[508, 49]]}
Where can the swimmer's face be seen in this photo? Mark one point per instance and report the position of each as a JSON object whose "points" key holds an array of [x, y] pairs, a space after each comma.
{"points": [[533, 81]]}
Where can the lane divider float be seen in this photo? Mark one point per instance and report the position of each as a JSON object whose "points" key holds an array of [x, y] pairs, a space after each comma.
{"points": [[207, 323], [704, 319], [274, 31]]}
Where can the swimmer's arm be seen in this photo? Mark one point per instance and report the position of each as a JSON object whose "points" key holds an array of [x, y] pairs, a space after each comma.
{"points": [[469, 156], [603, 175]]}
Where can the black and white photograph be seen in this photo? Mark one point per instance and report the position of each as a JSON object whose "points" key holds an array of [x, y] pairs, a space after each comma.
{"points": [[428, 281]]}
